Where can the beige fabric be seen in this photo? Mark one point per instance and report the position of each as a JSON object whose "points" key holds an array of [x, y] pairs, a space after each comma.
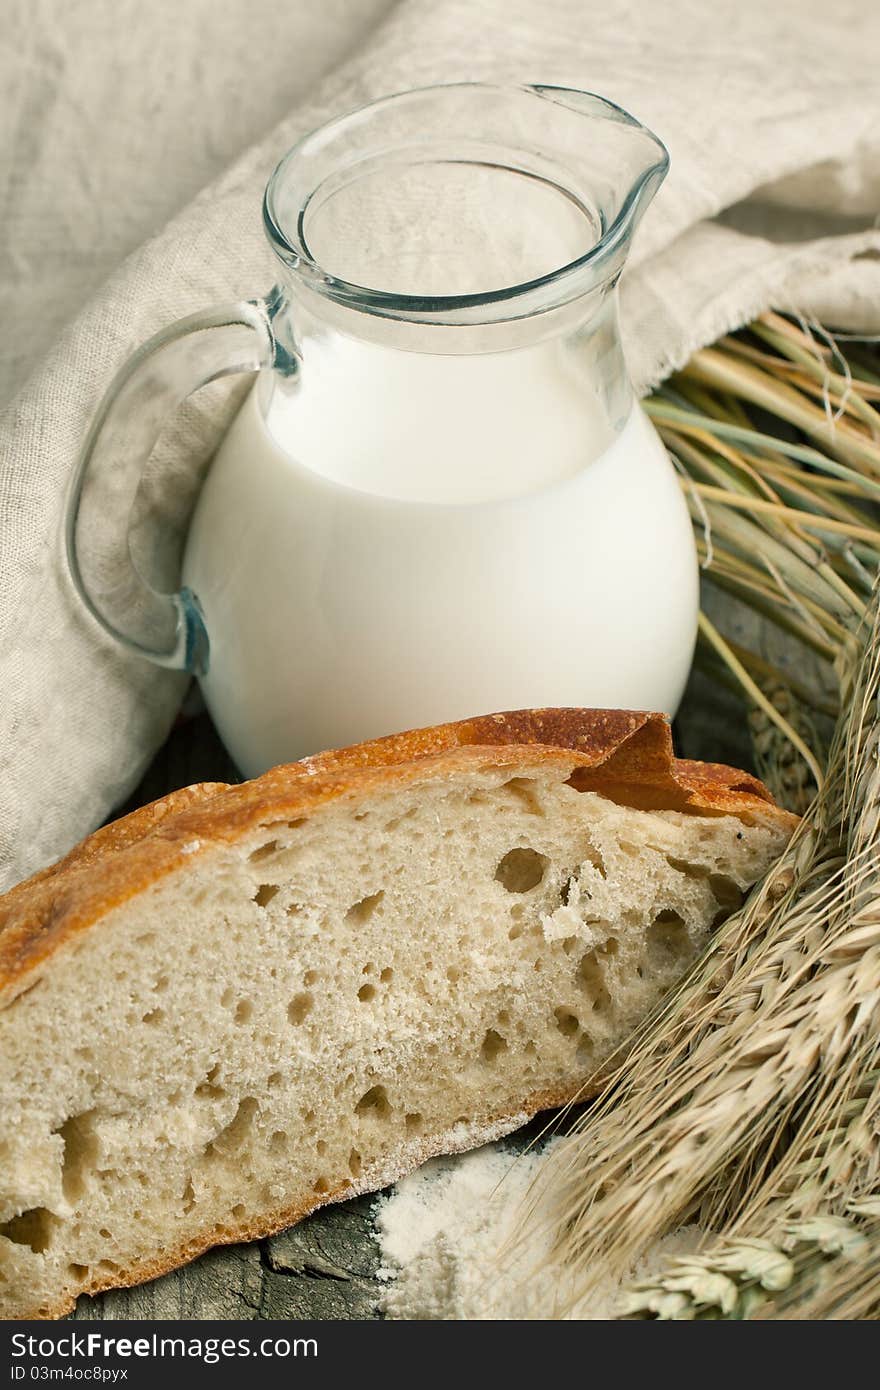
{"points": [[780, 101], [117, 113]]}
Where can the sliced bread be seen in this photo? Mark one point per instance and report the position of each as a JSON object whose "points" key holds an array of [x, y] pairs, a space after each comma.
{"points": [[242, 1002]]}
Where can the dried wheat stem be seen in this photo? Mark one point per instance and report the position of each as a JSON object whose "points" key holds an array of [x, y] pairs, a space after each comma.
{"points": [[797, 1003], [809, 522], [757, 445], [710, 367], [723, 649], [829, 1166]]}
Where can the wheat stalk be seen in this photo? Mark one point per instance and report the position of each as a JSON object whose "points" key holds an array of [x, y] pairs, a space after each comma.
{"points": [[826, 1179], [778, 761], [820, 1267], [744, 1102]]}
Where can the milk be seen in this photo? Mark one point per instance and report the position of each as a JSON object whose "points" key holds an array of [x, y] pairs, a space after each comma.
{"points": [[404, 539], [421, 427]]}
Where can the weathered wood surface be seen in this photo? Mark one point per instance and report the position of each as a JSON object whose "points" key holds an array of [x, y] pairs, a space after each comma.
{"points": [[324, 1268], [327, 1266]]}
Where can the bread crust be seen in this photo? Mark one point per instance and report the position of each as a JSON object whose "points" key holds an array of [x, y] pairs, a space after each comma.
{"points": [[626, 755]]}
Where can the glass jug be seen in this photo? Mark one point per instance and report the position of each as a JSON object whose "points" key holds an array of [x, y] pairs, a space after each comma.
{"points": [[440, 498]]}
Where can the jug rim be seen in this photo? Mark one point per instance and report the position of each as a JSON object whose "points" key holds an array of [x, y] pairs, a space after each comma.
{"points": [[600, 263]]}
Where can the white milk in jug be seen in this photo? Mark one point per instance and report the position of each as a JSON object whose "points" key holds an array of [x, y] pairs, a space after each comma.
{"points": [[406, 538]]}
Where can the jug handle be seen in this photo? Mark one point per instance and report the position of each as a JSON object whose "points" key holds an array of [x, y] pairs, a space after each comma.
{"points": [[169, 629]]}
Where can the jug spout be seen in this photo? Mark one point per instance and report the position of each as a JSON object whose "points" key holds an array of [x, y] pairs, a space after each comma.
{"points": [[616, 165]]}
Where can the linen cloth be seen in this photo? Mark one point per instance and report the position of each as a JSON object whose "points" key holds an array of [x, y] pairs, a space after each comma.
{"points": [[770, 113]]}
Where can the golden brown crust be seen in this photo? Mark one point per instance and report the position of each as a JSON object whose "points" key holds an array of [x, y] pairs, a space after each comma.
{"points": [[623, 754]]}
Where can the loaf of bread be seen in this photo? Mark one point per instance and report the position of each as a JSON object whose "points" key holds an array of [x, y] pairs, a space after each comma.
{"points": [[239, 1003]]}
